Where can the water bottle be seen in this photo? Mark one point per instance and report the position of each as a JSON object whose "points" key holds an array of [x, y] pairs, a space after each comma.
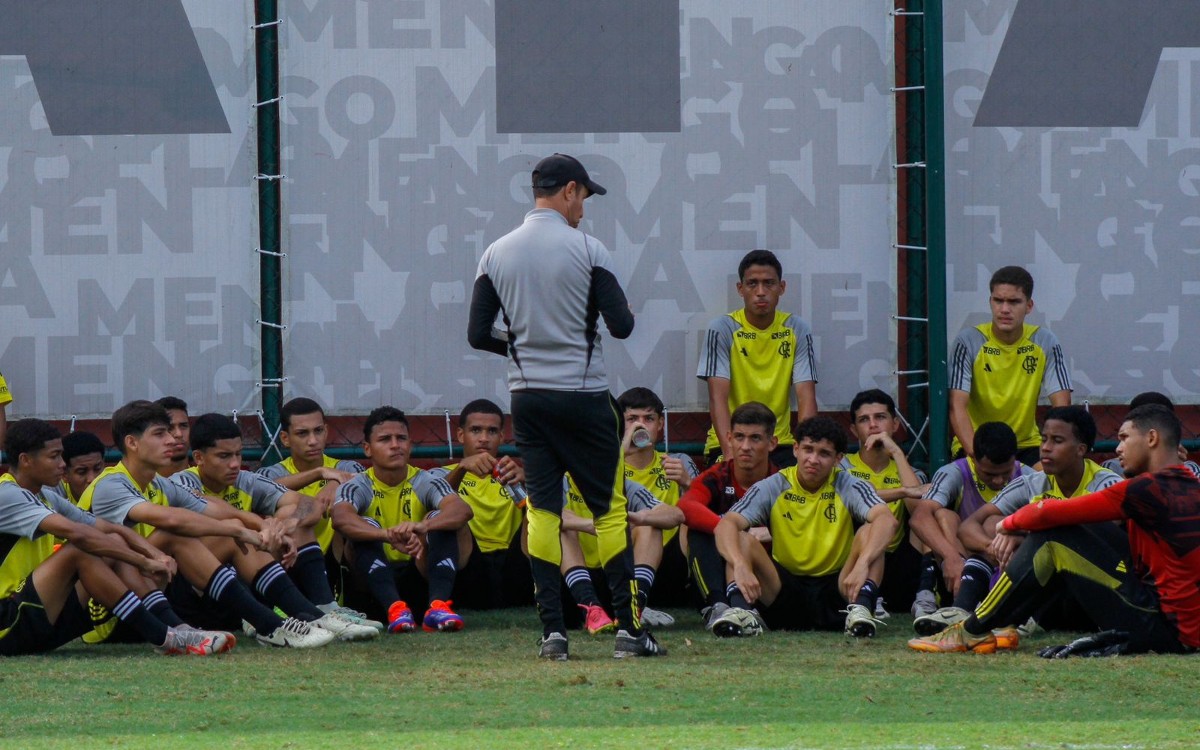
{"points": [[516, 489]]}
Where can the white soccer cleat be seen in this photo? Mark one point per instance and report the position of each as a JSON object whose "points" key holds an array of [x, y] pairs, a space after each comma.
{"points": [[295, 633], [736, 622], [344, 628], [353, 615], [924, 604], [192, 642], [860, 623], [656, 618], [939, 620]]}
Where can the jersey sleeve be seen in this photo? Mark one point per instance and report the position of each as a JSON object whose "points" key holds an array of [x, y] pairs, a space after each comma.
{"points": [[350, 467], [755, 506], [1103, 480], [857, 495], [5, 393], [1017, 493], [358, 493], [66, 508], [638, 498], [1057, 376], [20, 511], [264, 493], [274, 471], [695, 505], [947, 486], [1106, 505], [113, 497], [607, 291], [179, 496], [714, 353], [962, 358], [689, 466], [804, 366], [431, 489]]}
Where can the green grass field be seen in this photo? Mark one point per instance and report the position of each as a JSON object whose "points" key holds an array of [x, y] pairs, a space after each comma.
{"points": [[484, 688]]}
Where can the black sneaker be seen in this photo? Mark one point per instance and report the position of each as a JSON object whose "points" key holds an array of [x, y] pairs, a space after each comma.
{"points": [[553, 647], [641, 645]]}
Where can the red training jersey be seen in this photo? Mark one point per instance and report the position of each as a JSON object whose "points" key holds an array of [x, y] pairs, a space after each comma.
{"points": [[711, 495], [1162, 515]]}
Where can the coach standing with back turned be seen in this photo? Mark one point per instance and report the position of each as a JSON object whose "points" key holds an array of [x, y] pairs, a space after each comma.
{"points": [[551, 283]]}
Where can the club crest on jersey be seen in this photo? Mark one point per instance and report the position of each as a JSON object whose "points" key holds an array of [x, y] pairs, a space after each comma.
{"points": [[1029, 365], [785, 348], [831, 513]]}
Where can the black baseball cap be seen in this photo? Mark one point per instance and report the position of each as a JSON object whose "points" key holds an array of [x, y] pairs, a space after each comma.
{"points": [[559, 169]]}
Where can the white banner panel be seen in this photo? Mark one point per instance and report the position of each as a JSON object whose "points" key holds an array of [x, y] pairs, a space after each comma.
{"points": [[410, 130], [1073, 149], [127, 205]]}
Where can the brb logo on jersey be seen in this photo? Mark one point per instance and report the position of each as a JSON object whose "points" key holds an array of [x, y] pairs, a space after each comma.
{"points": [[120, 67]]}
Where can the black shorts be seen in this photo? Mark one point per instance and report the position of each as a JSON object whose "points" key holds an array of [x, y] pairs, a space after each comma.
{"points": [[806, 603], [492, 580], [25, 629]]}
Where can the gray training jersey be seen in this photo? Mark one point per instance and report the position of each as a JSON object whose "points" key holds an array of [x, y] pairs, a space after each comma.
{"points": [[114, 493], [549, 284], [1020, 492], [249, 492], [637, 498], [21, 511]]}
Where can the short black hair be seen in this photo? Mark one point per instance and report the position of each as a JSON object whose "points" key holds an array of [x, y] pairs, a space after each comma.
{"points": [[380, 415], [640, 398], [80, 443], [298, 407], [1080, 419], [1151, 397], [480, 406], [28, 435], [1013, 276], [872, 396], [550, 192], [753, 413], [172, 403], [996, 442], [134, 418], [211, 427], [759, 258], [1158, 418], [821, 428]]}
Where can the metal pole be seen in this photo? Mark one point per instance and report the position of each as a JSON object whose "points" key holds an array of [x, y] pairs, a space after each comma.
{"points": [[266, 43], [935, 214]]}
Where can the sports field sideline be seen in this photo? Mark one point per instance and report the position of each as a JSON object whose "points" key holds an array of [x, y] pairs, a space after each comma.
{"points": [[484, 688]]}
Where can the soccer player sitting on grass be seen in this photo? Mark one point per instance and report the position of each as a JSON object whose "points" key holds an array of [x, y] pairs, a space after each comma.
{"points": [[959, 489], [666, 476], [217, 472], [1153, 397], [307, 469], [1068, 434], [1140, 585], [882, 462], [648, 519], [497, 574], [84, 455], [716, 490], [817, 561], [43, 593], [402, 524], [210, 545]]}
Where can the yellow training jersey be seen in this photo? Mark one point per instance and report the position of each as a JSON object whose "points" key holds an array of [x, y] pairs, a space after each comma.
{"points": [[888, 479], [761, 365], [410, 501], [811, 532], [324, 528], [1004, 380], [22, 547], [1038, 486], [115, 492], [654, 479], [497, 516], [5, 394]]}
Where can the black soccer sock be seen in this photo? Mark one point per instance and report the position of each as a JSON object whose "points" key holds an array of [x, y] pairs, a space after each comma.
{"points": [[225, 589], [579, 581], [706, 566], [867, 595], [974, 584], [928, 577], [619, 572], [644, 575], [157, 605], [547, 593], [735, 597], [273, 585], [443, 564], [309, 575], [130, 610], [371, 564]]}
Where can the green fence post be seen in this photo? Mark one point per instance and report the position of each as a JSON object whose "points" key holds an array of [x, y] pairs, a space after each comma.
{"points": [[935, 231]]}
